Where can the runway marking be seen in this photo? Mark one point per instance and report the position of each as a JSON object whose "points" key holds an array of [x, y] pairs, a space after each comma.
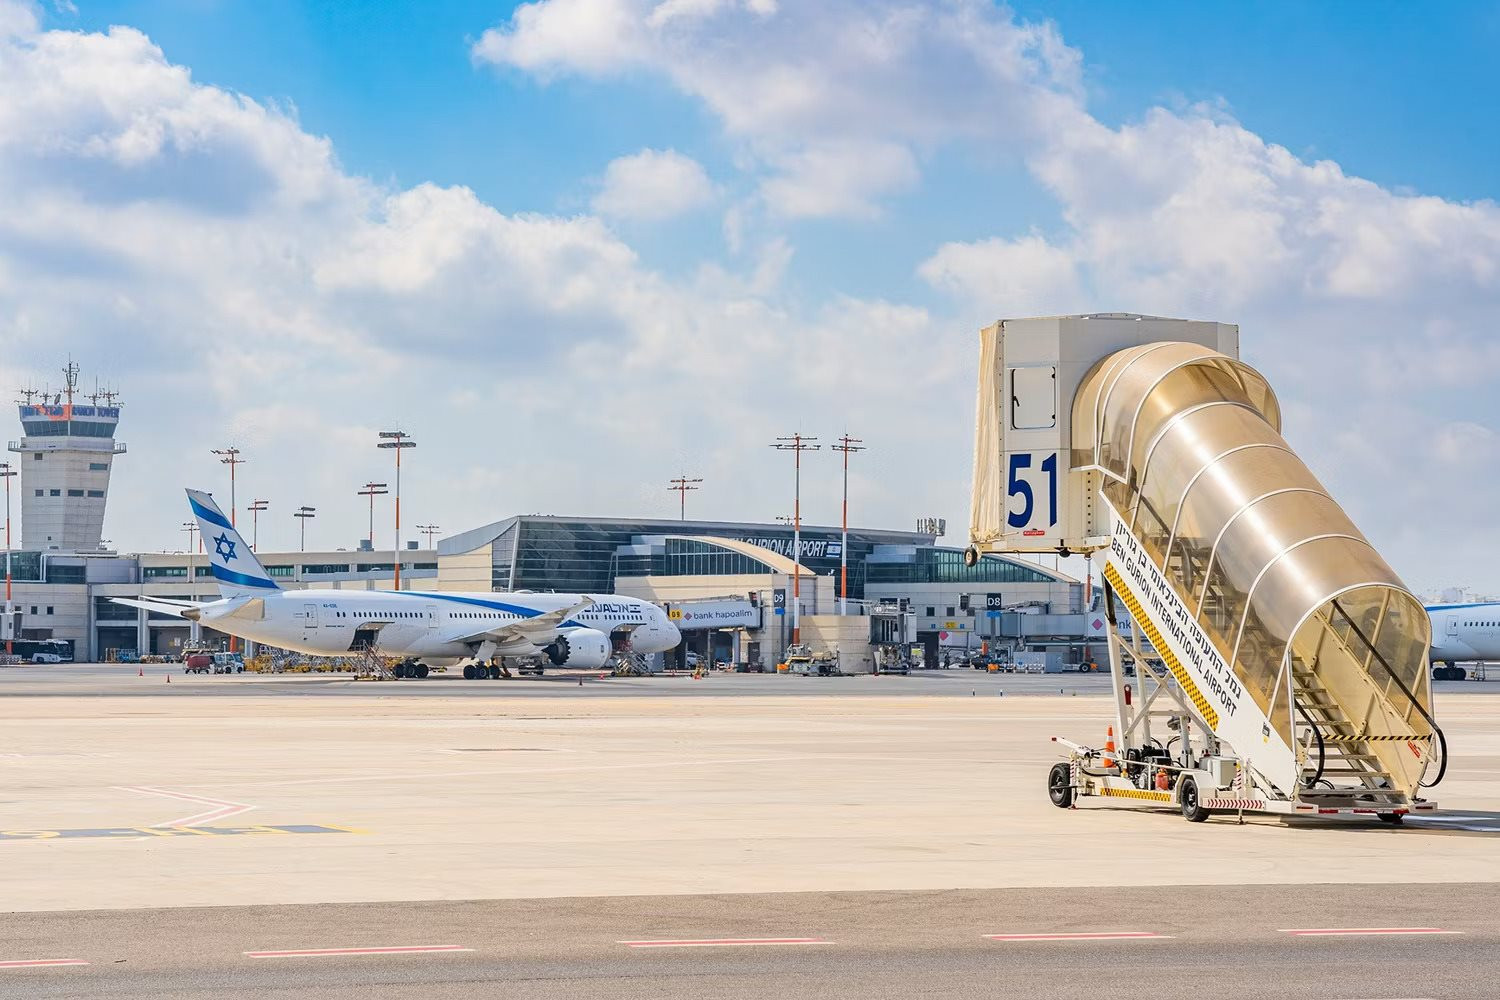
{"points": [[146, 832], [1079, 936], [408, 949], [723, 943], [222, 810], [1357, 931], [37, 963]]}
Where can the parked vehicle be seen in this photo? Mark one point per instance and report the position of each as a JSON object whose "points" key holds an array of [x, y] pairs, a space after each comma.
{"points": [[46, 658]]}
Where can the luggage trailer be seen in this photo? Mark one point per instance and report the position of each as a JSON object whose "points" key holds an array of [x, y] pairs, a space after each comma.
{"points": [[1264, 657]]}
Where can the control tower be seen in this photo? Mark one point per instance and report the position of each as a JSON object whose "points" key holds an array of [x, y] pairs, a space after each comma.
{"points": [[64, 458]]}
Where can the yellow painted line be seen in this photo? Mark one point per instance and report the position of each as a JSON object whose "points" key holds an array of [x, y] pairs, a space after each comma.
{"points": [[1184, 680]]}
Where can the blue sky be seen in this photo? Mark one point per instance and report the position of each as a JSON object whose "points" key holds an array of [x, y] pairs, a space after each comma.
{"points": [[696, 223]]}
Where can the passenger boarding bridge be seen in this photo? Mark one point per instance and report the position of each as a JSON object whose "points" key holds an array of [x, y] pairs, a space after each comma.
{"points": [[1288, 671]]}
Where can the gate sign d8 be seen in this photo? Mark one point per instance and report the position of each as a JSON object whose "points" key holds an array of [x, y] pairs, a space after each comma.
{"points": [[1031, 492]]}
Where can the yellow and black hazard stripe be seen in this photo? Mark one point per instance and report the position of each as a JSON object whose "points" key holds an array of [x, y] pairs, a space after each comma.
{"points": [[1410, 738], [1135, 793], [1168, 657]]}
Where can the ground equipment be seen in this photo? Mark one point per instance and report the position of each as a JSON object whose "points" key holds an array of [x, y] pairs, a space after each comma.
{"points": [[1286, 666]]}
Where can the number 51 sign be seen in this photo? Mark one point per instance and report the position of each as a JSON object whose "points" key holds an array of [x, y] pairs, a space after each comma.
{"points": [[1031, 492]]}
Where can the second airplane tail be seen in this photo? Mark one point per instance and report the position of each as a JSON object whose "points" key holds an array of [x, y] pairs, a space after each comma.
{"points": [[234, 565]]}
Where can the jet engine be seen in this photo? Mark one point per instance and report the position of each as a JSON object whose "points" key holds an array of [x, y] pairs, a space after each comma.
{"points": [[586, 648]]}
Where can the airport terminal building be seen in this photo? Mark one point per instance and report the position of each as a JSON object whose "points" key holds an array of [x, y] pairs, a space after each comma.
{"points": [[730, 586]]}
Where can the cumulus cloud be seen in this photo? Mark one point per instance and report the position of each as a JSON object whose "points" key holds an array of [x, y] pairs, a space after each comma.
{"points": [[836, 100], [652, 185]]}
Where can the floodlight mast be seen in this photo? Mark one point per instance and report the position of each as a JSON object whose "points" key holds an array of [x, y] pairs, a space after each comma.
{"points": [[797, 443], [399, 441]]}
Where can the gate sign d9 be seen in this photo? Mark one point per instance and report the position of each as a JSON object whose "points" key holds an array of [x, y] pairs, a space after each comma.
{"points": [[1031, 492]]}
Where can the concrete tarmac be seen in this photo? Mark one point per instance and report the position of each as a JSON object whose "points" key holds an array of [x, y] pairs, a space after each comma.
{"points": [[1225, 942]]}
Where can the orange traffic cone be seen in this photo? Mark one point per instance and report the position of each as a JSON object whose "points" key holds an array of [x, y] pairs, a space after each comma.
{"points": [[140, 671], [1109, 748]]}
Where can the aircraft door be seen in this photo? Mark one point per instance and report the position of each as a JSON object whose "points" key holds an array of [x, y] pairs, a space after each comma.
{"points": [[432, 616], [309, 616], [1453, 626]]}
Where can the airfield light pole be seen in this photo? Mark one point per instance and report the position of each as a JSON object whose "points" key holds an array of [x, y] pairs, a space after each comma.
{"points": [[429, 530], [231, 458], [796, 444], [191, 527], [256, 506], [303, 513], [399, 440], [846, 444], [10, 622], [682, 486], [373, 490]]}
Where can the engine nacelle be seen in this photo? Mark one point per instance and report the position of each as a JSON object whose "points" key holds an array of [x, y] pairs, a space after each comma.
{"points": [[585, 648]]}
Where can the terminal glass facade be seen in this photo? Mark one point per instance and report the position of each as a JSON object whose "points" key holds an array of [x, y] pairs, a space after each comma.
{"points": [[942, 565]]}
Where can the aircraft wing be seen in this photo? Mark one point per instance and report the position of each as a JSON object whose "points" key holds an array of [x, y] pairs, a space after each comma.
{"points": [[539, 630]]}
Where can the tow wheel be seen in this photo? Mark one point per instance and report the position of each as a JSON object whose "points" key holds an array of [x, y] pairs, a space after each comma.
{"points": [[1192, 808], [468, 671], [1060, 785], [1393, 819]]}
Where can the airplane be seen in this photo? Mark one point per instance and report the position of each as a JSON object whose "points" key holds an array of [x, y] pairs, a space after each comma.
{"points": [[1463, 633], [426, 629]]}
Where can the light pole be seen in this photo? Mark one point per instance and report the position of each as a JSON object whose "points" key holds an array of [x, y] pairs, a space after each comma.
{"points": [[256, 506], [796, 444], [191, 527], [429, 530], [682, 486], [372, 490], [231, 458], [10, 622], [399, 440], [303, 513], [846, 444]]}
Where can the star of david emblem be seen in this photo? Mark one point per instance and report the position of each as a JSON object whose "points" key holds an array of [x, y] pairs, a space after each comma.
{"points": [[224, 547]]}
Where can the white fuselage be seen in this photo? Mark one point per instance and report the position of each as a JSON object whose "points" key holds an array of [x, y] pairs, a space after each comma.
{"points": [[1465, 633], [434, 627]]}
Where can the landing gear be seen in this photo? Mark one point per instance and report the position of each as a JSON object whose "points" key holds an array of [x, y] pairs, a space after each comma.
{"points": [[494, 671], [408, 669], [468, 671], [1449, 672]]}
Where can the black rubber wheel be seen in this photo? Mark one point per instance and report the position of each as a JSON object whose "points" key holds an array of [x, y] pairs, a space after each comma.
{"points": [[1060, 785], [468, 671], [422, 671], [1192, 808], [1393, 819], [400, 671], [494, 673]]}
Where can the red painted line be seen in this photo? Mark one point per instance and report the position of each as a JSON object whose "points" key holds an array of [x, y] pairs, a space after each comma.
{"points": [[722, 942], [33, 963], [322, 952], [1082, 936], [1352, 931]]}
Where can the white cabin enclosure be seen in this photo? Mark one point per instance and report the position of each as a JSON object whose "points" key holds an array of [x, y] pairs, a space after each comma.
{"points": [[1280, 664]]}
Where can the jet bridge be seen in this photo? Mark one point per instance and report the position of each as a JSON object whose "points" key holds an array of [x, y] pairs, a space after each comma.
{"points": [[1288, 662]]}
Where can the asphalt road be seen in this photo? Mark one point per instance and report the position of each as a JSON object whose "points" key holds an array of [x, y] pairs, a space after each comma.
{"points": [[1221, 941]]}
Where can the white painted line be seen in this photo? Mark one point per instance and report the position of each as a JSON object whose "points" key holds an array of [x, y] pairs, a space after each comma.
{"points": [[221, 810], [409, 949], [723, 943], [1080, 936], [1357, 931], [36, 963]]}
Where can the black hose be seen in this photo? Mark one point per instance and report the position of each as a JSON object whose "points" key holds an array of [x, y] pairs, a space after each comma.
{"points": [[1322, 750]]}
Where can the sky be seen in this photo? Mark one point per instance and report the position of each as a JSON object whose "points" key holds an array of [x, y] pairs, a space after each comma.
{"points": [[579, 247]]}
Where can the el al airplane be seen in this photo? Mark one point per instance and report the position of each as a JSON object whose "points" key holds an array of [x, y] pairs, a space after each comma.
{"points": [[1463, 633], [425, 629]]}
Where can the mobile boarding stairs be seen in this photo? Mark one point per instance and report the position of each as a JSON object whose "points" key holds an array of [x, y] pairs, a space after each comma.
{"points": [[1287, 664]]}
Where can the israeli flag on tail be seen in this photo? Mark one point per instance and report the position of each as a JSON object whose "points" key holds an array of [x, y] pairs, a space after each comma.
{"points": [[239, 573]]}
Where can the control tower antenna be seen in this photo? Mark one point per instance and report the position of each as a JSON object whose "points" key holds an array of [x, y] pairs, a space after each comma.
{"points": [[70, 379], [682, 486], [28, 395]]}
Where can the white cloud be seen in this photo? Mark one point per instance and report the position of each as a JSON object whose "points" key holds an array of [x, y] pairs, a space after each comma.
{"points": [[834, 100], [652, 185], [1022, 277]]}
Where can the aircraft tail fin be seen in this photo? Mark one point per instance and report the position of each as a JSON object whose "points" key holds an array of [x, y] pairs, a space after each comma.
{"points": [[234, 565]]}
